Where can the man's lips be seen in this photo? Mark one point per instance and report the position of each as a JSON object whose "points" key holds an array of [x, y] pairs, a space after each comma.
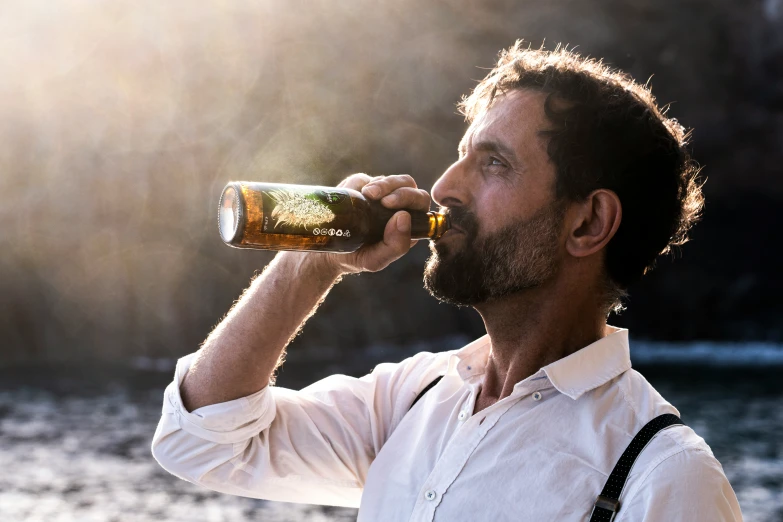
{"points": [[453, 231], [456, 218]]}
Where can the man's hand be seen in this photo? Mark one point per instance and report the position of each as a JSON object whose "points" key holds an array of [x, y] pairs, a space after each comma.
{"points": [[393, 192]]}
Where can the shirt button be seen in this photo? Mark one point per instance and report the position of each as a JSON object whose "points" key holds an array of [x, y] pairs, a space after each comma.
{"points": [[537, 396], [430, 495], [462, 415]]}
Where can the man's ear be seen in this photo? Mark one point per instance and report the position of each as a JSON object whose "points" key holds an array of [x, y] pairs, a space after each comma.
{"points": [[593, 222]]}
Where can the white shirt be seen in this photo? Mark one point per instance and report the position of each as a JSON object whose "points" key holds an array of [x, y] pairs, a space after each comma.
{"points": [[541, 454]]}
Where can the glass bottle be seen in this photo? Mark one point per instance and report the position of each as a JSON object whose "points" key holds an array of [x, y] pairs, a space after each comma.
{"points": [[277, 216]]}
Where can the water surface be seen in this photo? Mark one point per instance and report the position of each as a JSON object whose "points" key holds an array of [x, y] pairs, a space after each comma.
{"points": [[74, 444]]}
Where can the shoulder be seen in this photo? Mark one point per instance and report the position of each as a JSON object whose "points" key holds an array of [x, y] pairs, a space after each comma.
{"points": [[643, 403], [420, 369], [679, 479], [677, 476], [642, 398], [402, 381]]}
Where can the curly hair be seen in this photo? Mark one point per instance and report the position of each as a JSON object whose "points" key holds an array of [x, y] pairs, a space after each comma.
{"points": [[607, 132]]}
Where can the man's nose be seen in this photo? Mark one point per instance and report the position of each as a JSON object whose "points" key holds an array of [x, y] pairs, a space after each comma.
{"points": [[451, 189]]}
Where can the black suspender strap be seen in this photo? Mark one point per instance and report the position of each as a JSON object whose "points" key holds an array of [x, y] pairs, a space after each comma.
{"points": [[608, 504], [425, 390]]}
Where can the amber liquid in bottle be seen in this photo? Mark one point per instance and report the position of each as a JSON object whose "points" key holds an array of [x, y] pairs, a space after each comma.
{"points": [[276, 216]]}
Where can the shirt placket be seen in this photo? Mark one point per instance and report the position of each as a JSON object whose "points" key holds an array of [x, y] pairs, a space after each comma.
{"points": [[464, 442]]}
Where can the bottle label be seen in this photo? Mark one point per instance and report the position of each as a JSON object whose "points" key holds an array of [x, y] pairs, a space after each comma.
{"points": [[307, 212]]}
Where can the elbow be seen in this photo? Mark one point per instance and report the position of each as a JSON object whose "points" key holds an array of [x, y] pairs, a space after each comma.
{"points": [[194, 447], [177, 452], [164, 451], [188, 456]]}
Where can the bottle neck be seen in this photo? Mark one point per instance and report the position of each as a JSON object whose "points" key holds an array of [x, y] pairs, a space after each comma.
{"points": [[430, 225], [424, 225]]}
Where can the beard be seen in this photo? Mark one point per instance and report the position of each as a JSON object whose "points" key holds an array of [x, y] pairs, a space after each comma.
{"points": [[519, 256]]}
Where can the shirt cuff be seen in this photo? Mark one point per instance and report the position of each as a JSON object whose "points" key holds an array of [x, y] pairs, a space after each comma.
{"points": [[225, 422]]}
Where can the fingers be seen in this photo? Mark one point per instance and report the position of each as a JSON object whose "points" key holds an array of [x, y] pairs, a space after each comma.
{"points": [[383, 185], [397, 191], [394, 192], [355, 181], [406, 197]]}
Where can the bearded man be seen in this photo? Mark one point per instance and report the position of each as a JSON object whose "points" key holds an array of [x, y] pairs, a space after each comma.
{"points": [[570, 181]]}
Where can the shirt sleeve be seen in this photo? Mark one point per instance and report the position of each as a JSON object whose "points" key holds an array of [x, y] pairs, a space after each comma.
{"points": [[686, 485], [312, 446]]}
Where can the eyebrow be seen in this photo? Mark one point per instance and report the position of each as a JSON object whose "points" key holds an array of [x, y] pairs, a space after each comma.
{"points": [[492, 146]]}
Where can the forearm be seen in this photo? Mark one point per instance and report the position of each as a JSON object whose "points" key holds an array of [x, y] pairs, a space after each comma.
{"points": [[239, 357]]}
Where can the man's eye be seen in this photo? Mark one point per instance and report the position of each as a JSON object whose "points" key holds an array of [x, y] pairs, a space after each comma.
{"points": [[495, 162]]}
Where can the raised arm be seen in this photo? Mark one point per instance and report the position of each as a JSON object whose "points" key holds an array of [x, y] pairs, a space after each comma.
{"points": [[240, 356]]}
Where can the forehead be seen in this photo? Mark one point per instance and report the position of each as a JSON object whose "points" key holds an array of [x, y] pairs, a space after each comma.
{"points": [[516, 118]]}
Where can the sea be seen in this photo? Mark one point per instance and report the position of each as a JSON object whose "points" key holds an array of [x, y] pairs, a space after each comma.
{"points": [[74, 441]]}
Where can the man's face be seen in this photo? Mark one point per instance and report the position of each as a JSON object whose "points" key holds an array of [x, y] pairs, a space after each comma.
{"points": [[500, 194]]}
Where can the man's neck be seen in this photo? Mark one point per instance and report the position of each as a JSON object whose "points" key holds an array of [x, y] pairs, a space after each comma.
{"points": [[534, 328]]}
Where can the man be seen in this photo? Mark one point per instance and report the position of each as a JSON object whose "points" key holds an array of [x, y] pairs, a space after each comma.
{"points": [[570, 181]]}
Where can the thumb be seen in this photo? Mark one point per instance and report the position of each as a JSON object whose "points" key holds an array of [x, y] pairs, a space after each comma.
{"points": [[396, 243], [397, 235]]}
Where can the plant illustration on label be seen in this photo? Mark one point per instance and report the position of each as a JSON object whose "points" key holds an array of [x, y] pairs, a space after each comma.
{"points": [[297, 210]]}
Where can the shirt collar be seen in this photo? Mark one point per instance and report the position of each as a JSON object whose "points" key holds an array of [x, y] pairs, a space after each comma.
{"points": [[592, 366], [470, 360], [582, 371]]}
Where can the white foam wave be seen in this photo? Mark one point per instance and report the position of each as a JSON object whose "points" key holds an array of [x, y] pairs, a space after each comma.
{"points": [[712, 353]]}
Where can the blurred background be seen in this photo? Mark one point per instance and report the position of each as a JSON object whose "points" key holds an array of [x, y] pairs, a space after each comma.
{"points": [[121, 121]]}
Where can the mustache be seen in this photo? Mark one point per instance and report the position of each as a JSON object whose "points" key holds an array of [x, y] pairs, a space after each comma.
{"points": [[463, 219]]}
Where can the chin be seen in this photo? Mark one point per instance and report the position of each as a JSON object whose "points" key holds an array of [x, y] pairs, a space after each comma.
{"points": [[445, 283], [440, 251]]}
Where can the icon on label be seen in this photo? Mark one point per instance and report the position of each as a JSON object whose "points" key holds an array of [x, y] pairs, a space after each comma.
{"points": [[338, 233], [331, 231], [347, 233], [316, 231]]}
